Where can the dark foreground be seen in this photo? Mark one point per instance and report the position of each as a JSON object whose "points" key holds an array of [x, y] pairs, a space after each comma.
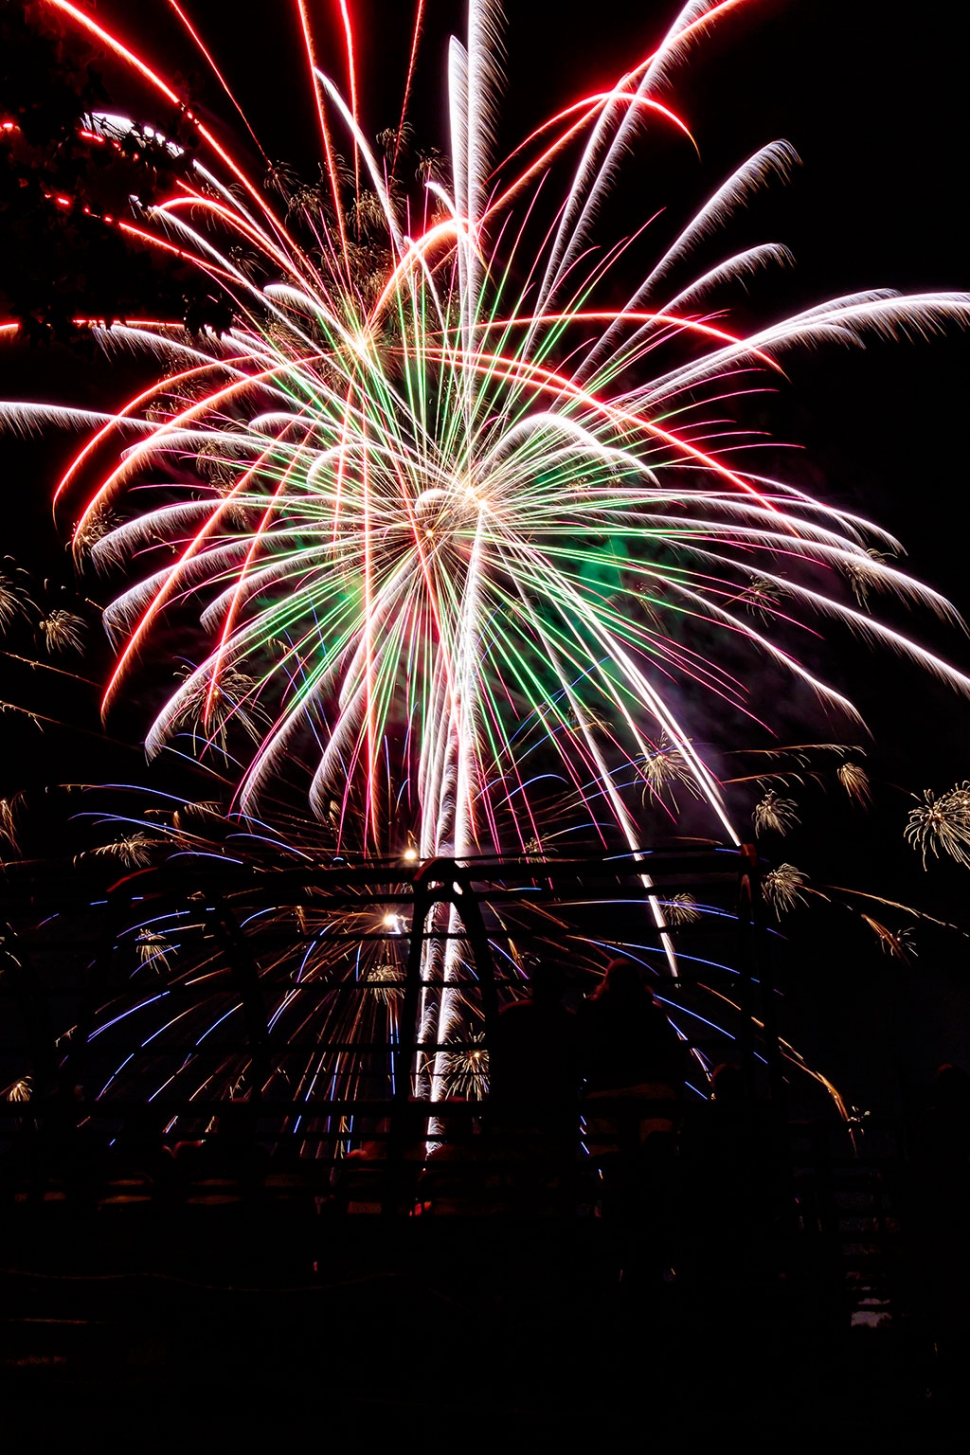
{"points": [[245, 1326]]}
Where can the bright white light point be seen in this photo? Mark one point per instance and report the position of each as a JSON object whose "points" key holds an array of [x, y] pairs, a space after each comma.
{"points": [[410, 855]]}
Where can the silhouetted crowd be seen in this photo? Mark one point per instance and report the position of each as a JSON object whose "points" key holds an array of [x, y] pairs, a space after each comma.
{"points": [[588, 1114], [582, 1104]]}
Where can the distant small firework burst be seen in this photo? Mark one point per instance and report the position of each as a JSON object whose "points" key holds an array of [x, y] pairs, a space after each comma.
{"points": [[941, 825], [466, 1070]]}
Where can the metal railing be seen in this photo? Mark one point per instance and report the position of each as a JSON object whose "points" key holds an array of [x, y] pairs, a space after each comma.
{"points": [[67, 951]]}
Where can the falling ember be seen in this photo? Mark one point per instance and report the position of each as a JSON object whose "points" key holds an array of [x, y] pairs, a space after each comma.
{"points": [[775, 814], [19, 1090], [13, 600], [63, 631], [8, 822], [855, 781], [783, 888]]}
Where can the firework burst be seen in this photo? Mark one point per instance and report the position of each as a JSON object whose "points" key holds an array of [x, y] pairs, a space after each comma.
{"points": [[941, 825], [681, 909], [453, 522], [434, 521], [20, 1090]]}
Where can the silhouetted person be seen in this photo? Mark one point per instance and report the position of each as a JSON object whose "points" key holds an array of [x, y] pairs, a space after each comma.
{"points": [[727, 1086], [733, 1195], [943, 1199], [632, 1063], [532, 1058], [946, 1131], [533, 1076], [629, 1051], [360, 1177], [943, 1150], [385, 1164], [140, 1155], [140, 1143], [70, 1156], [452, 1181], [235, 1148]]}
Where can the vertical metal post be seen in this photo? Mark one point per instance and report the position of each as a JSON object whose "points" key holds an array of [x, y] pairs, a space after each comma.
{"points": [[408, 1025], [762, 959], [471, 914], [34, 1010], [406, 1049], [99, 972], [747, 878], [245, 973]]}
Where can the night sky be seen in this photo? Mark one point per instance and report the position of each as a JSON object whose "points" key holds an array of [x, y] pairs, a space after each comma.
{"points": [[876, 109]]}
